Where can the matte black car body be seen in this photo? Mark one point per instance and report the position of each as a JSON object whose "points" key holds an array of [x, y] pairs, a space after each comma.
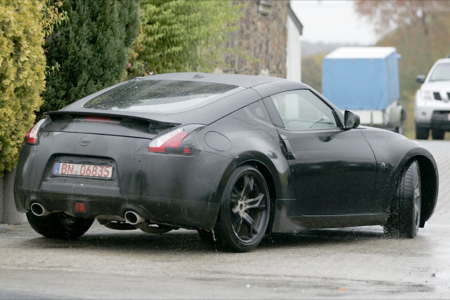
{"points": [[317, 178]]}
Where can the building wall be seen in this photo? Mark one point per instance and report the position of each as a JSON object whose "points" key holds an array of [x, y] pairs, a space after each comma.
{"points": [[293, 59], [262, 41]]}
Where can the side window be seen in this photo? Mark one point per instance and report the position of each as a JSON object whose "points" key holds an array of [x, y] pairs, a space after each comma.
{"points": [[259, 111], [301, 109]]}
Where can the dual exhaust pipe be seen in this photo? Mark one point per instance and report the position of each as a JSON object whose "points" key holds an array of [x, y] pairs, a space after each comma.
{"points": [[135, 219], [38, 210], [131, 217]]}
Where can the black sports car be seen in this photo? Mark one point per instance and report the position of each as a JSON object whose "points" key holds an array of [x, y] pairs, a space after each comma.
{"points": [[233, 156]]}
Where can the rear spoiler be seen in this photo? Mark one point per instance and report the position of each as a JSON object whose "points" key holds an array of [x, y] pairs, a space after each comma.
{"points": [[133, 121]]}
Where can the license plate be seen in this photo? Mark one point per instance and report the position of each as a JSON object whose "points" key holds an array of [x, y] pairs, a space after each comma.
{"points": [[82, 170]]}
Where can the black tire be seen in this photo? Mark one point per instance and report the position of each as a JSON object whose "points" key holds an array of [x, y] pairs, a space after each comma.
{"points": [[422, 133], [437, 134], [59, 225], [404, 220], [244, 214]]}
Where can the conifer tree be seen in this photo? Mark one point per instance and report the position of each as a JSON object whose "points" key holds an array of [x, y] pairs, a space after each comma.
{"points": [[89, 50]]}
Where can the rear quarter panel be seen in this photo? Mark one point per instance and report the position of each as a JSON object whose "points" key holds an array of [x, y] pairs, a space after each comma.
{"points": [[256, 142]]}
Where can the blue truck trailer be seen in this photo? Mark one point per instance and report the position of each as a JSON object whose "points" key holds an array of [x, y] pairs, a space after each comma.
{"points": [[365, 80]]}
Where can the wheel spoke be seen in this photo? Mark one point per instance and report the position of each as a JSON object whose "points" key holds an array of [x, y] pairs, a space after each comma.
{"points": [[248, 186], [254, 202], [235, 194], [234, 200], [250, 223], [237, 224]]}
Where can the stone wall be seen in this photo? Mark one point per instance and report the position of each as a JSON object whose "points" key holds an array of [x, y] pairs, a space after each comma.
{"points": [[261, 39]]}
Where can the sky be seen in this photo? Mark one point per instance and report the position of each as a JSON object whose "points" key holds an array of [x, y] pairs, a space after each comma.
{"points": [[332, 21]]}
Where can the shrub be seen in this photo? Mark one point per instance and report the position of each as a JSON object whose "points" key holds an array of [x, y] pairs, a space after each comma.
{"points": [[22, 67]]}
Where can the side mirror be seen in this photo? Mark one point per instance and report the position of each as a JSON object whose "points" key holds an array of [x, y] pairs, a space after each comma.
{"points": [[420, 78], [351, 120]]}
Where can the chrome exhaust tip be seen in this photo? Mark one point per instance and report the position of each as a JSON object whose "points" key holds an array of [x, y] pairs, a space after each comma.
{"points": [[38, 210], [133, 218]]}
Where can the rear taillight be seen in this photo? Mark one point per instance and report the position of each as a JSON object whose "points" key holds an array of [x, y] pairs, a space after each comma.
{"points": [[32, 134], [169, 141]]}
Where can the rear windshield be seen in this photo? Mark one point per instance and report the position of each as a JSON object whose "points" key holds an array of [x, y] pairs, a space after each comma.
{"points": [[159, 96], [441, 72]]}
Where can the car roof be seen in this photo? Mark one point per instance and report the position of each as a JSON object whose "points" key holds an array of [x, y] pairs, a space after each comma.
{"points": [[246, 81], [253, 88]]}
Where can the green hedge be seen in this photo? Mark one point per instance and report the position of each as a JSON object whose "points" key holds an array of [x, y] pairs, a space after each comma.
{"points": [[22, 67]]}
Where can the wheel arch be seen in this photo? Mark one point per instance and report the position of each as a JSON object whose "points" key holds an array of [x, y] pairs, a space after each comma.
{"points": [[269, 171], [270, 184], [430, 187], [429, 182]]}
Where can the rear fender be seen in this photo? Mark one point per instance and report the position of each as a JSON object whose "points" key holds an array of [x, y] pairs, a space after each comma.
{"points": [[276, 174]]}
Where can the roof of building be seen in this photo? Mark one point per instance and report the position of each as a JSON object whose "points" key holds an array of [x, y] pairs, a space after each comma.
{"points": [[295, 19]]}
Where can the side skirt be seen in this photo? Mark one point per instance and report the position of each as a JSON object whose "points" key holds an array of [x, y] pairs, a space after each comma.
{"points": [[294, 224]]}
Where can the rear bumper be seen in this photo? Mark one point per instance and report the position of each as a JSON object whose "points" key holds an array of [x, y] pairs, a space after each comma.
{"points": [[181, 190], [176, 212]]}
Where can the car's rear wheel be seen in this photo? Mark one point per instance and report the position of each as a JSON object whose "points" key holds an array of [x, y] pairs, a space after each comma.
{"points": [[59, 225], [244, 214], [437, 134], [422, 133], [404, 220]]}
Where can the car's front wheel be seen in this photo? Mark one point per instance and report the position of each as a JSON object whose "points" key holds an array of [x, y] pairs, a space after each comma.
{"points": [[245, 211], [59, 225], [404, 220]]}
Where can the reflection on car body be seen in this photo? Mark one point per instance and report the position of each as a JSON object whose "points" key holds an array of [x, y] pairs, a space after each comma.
{"points": [[235, 157]]}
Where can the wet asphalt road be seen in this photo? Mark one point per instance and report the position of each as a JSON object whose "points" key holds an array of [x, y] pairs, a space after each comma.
{"points": [[355, 263]]}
